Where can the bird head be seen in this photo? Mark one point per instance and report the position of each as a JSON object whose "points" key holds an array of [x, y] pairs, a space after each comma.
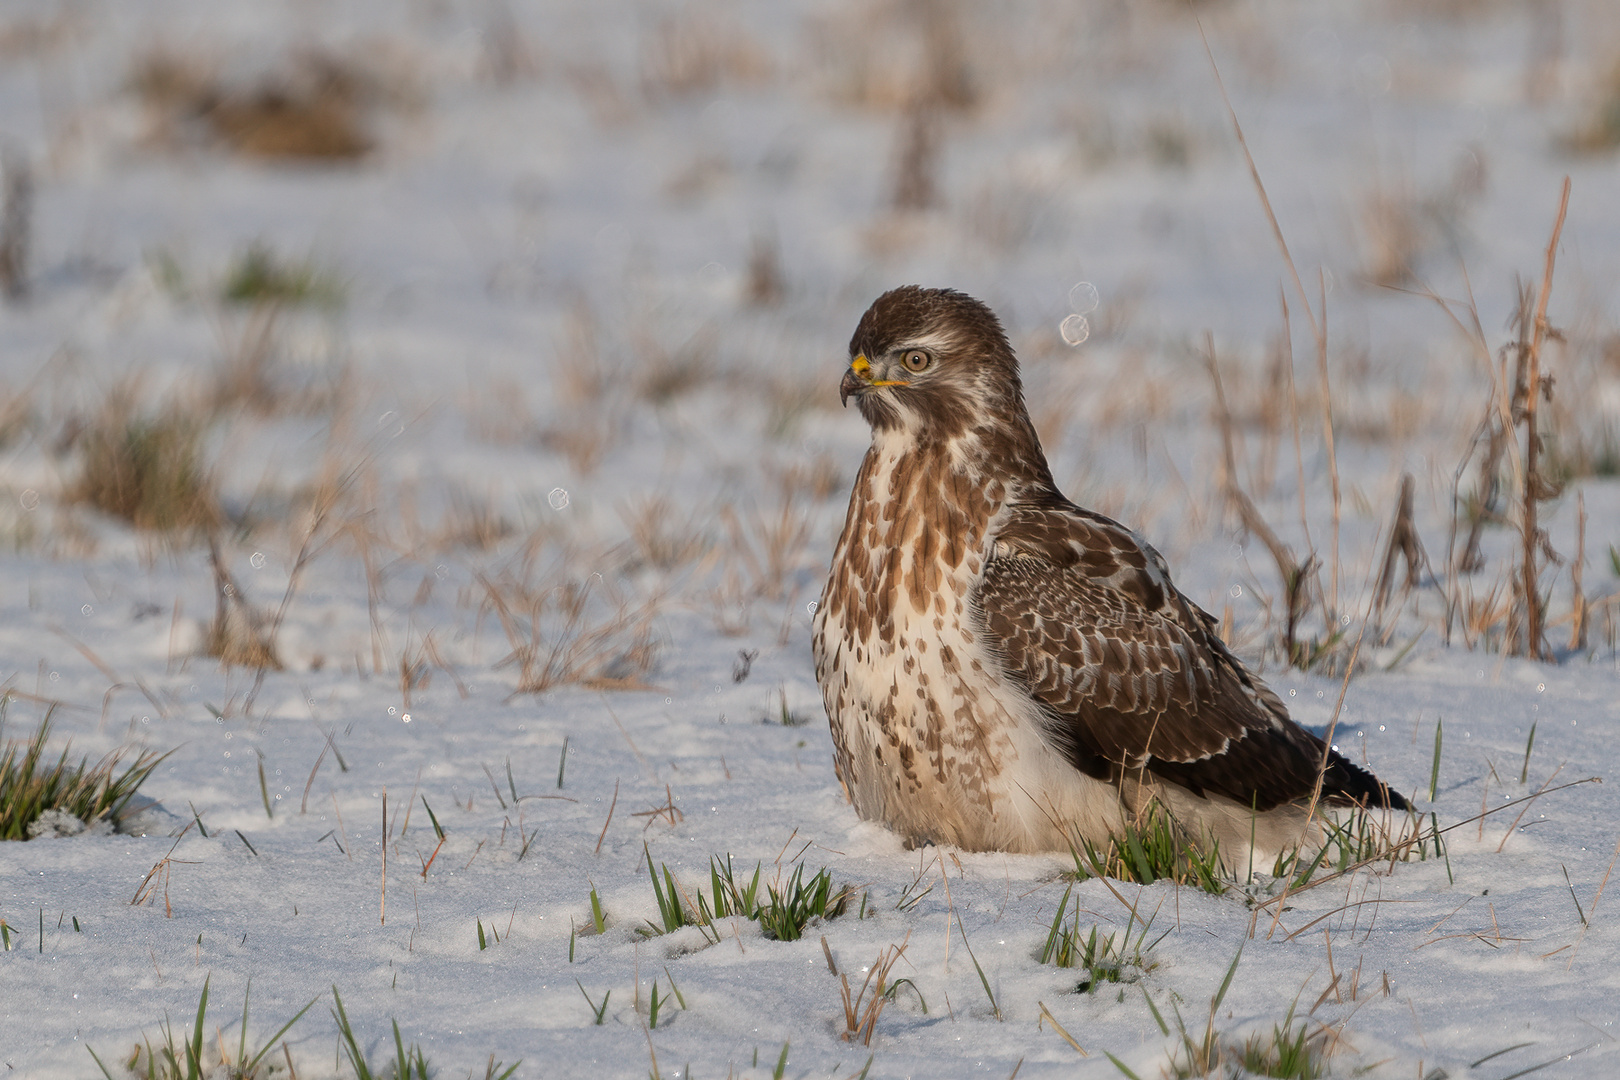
{"points": [[933, 362]]}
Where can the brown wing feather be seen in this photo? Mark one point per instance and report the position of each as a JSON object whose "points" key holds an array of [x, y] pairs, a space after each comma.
{"points": [[1130, 672]]}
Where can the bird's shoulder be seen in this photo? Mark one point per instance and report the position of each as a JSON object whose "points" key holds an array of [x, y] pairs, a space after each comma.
{"points": [[1078, 548], [1071, 588]]}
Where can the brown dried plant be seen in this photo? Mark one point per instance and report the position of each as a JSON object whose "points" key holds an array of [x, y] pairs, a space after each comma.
{"points": [[660, 537], [587, 415], [147, 468], [241, 635], [698, 51], [769, 546], [861, 1012], [311, 105], [570, 631]]}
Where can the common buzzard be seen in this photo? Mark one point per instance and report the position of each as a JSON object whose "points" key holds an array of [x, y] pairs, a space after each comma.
{"points": [[1005, 670]]}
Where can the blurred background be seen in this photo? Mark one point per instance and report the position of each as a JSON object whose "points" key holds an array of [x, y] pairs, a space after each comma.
{"points": [[507, 280]]}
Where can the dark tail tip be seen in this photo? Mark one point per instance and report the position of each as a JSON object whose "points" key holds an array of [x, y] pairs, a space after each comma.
{"points": [[1347, 782]]}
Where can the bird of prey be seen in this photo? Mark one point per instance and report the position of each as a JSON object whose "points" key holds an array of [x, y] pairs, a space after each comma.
{"points": [[1006, 670]]}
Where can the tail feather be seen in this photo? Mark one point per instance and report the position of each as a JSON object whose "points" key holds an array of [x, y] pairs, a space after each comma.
{"points": [[1345, 782]]}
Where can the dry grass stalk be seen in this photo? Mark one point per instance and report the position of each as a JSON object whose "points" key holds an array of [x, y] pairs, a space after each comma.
{"points": [[311, 108], [1493, 429], [245, 377], [146, 469], [698, 52], [660, 537], [1296, 577], [1316, 317], [731, 602], [889, 54], [1580, 612], [1599, 133], [665, 374], [1394, 233], [329, 491], [1533, 539], [497, 411], [147, 889], [239, 634], [1400, 225], [414, 674], [916, 160], [365, 542], [820, 478], [1403, 545], [583, 388], [860, 1012], [769, 547], [948, 76], [557, 639], [1489, 617], [507, 58], [471, 522], [16, 222], [765, 287]]}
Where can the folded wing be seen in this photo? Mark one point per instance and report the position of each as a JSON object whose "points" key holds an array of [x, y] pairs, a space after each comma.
{"points": [[1131, 675]]}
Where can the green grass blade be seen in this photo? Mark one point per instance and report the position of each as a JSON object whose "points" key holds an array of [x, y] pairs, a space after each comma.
{"points": [[1226, 984], [1524, 771], [596, 911], [1057, 927], [264, 791], [104, 1070], [678, 995], [195, 1047], [1434, 770], [297, 1016], [983, 980], [351, 1046], [1499, 1053], [1121, 1066], [437, 829], [241, 1044]]}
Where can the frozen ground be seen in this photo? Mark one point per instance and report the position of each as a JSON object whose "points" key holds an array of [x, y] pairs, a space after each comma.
{"points": [[543, 361]]}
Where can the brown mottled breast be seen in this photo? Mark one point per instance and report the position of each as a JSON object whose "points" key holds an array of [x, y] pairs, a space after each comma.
{"points": [[914, 523]]}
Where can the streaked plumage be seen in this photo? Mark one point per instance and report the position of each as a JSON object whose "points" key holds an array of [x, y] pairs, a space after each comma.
{"points": [[1003, 669]]}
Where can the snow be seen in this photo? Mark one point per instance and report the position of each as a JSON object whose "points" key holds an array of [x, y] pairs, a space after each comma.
{"points": [[527, 247]]}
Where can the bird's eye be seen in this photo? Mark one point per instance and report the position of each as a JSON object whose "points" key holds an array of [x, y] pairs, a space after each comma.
{"points": [[916, 360]]}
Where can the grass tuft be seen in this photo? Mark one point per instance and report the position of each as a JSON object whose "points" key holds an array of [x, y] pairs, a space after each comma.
{"points": [[148, 470], [30, 787], [1150, 849], [409, 1062], [783, 914], [1599, 131], [599, 1011], [561, 635], [189, 1059], [1113, 959], [259, 276]]}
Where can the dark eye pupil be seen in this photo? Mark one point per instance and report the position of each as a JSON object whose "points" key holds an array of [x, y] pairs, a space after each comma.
{"points": [[916, 360]]}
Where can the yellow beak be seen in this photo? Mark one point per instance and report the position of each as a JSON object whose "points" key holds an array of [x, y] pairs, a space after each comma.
{"points": [[858, 379]]}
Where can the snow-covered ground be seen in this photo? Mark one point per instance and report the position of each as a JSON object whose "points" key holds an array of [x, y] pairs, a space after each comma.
{"points": [[575, 326]]}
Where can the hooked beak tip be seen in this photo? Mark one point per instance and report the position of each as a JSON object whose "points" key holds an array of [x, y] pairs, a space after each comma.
{"points": [[851, 384]]}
